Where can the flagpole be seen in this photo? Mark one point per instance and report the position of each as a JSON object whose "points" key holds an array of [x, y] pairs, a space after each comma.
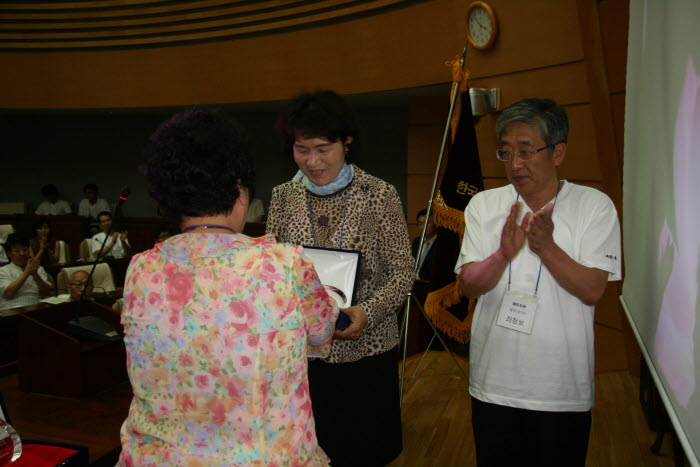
{"points": [[404, 324]]}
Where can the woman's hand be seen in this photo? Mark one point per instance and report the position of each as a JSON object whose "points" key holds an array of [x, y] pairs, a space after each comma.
{"points": [[358, 321]]}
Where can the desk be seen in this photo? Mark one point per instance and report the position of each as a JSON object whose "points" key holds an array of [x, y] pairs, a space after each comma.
{"points": [[8, 335], [9, 322]]}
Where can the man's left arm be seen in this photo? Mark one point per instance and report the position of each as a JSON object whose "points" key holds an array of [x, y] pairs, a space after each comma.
{"points": [[585, 283]]}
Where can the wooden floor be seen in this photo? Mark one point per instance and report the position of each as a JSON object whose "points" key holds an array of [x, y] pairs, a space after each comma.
{"points": [[436, 419], [437, 413], [93, 422]]}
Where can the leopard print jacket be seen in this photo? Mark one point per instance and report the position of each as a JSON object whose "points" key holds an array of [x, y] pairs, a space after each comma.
{"points": [[374, 225]]}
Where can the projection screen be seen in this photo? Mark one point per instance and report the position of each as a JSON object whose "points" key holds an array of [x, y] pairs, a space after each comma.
{"points": [[661, 202]]}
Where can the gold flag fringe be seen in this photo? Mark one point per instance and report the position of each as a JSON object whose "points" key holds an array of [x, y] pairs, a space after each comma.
{"points": [[436, 305], [447, 217], [438, 301]]}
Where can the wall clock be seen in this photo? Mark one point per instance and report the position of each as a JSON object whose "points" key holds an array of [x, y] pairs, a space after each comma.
{"points": [[481, 25]]}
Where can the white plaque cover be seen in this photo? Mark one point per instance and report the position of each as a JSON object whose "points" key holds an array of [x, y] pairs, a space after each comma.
{"points": [[338, 271]]}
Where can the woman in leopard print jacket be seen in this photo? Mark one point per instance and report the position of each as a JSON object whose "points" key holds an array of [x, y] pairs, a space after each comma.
{"points": [[332, 203]]}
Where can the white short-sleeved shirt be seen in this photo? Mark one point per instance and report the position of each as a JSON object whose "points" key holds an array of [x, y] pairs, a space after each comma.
{"points": [[58, 208], [551, 369], [28, 294], [85, 209], [117, 252], [255, 210]]}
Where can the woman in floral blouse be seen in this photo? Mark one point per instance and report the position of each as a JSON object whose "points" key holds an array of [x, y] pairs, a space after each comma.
{"points": [[332, 203], [218, 326]]}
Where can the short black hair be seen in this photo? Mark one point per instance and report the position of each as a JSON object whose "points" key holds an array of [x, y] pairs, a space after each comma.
{"points": [[422, 212], [103, 213], [544, 114], [90, 186], [36, 225], [319, 114], [48, 190], [196, 161], [15, 239]]}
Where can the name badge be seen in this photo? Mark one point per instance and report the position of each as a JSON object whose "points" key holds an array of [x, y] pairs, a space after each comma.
{"points": [[517, 312]]}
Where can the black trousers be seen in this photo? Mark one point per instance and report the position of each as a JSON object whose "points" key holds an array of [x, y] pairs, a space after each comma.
{"points": [[507, 436], [356, 410]]}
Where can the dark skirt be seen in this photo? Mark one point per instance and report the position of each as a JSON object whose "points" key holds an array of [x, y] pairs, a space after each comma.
{"points": [[356, 409]]}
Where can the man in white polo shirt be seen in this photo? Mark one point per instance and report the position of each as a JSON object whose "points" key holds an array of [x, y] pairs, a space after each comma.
{"points": [[537, 254], [117, 245], [23, 281]]}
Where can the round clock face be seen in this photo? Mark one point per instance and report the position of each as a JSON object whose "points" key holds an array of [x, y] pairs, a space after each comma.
{"points": [[480, 26]]}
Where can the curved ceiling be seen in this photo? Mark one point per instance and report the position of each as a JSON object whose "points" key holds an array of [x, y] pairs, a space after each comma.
{"points": [[45, 26]]}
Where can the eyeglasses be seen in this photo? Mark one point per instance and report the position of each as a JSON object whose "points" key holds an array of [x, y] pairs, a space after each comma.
{"points": [[523, 154]]}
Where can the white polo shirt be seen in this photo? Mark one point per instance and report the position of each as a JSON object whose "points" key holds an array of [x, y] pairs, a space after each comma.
{"points": [[28, 294], [117, 252], [58, 208], [551, 369]]}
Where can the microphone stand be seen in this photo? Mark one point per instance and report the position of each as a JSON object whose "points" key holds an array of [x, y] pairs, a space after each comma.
{"points": [[92, 327]]}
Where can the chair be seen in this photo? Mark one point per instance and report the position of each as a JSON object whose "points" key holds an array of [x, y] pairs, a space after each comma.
{"points": [[63, 253], [5, 230], [102, 279], [86, 251]]}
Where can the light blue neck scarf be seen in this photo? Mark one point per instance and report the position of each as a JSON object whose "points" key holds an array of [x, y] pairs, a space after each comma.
{"points": [[341, 181]]}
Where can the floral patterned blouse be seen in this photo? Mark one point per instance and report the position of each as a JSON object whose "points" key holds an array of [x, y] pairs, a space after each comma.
{"points": [[218, 329]]}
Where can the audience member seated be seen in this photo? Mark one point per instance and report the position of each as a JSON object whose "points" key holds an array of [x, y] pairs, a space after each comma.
{"points": [[117, 246], [425, 262], [52, 206], [42, 245], [256, 210], [76, 284], [162, 233], [91, 206], [22, 282]]}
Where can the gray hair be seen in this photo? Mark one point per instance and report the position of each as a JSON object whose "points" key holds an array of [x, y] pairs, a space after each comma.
{"points": [[545, 114]]}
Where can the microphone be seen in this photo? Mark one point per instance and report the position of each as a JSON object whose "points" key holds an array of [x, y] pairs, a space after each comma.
{"points": [[91, 327], [123, 196]]}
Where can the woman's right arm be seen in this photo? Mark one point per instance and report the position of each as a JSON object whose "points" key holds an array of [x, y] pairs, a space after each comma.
{"points": [[318, 309]]}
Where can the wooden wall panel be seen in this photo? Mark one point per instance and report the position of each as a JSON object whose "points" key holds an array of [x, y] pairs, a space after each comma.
{"points": [[618, 108], [399, 49], [606, 312], [609, 349], [429, 110], [581, 161], [614, 25], [424, 147], [532, 34], [417, 197], [565, 83]]}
